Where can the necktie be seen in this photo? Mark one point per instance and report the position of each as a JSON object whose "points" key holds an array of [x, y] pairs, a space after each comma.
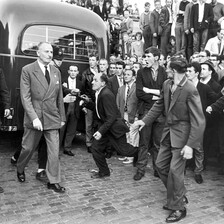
{"points": [[219, 48], [47, 76], [126, 101]]}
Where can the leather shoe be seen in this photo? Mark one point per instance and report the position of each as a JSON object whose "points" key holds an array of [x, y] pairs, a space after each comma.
{"points": [[69, 153], [176, 216], [138, 176], [41, 175], [21, 176], [99, 175], [198, 178], [56, 187]]}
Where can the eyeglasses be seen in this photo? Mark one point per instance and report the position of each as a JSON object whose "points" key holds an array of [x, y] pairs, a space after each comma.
{"points": [[201, 56]]}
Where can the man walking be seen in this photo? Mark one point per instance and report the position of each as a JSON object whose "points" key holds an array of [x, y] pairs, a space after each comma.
{"points": [[183, 131], [42, 99]]}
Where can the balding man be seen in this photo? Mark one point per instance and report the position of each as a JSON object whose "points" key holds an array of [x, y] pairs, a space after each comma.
{"points": [[42, 99]]}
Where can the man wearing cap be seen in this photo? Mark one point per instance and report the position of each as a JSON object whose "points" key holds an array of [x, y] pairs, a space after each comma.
{"points": [[180, 102]]}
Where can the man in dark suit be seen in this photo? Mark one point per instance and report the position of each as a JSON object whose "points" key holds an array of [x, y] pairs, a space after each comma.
{"points": [[115, 82], [183, 132], [149, 82], [207, 96], [72, 109], [212, 135], [109, 125], [201, 16], [100, 9], [87, 78], [4, 101], [42, 99], [165, 22]]}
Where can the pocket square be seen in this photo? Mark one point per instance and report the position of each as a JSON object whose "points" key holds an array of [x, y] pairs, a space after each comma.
{"points": [[57, 82]]}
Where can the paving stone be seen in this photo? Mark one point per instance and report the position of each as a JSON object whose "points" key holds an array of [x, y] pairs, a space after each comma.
{"points": [[114, 200]]}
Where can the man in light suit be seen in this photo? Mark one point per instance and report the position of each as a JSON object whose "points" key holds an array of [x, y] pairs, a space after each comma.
{"points": [[183, 132], [42, 99], [109, 126], [127, 103]]}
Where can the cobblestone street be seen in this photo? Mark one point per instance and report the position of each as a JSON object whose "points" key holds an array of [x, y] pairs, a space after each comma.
{"points": [[117, 199]]}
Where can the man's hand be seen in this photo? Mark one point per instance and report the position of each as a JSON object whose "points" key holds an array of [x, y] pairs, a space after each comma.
{"points": [[62, 124], [37, 124], [6, 112], [85, 98], [187, 31], [187, 152], [209, 109], [192, 30], [138, 124], [155, 35], [75, 91], [97, 135]]}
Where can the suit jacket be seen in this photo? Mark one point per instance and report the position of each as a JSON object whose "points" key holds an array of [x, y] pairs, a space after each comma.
{"points": [[207, 95], [76, 107], [185, 120], [41, 100], [103, 14], [144, 79], [154, 21], [207, 18], [164, 17], [132, 102], [110, 116], [113, 84], [87, 78]]}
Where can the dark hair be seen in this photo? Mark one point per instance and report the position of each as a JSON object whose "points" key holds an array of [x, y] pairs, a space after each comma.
{"points": [[73, 66], [120, 63], [138, 33], [219, 29], [130, 69], [147, 4], [196, 65], [154, 51], [172, 38], [207, 53], [93, 55], [179, 64], [104, 78]]}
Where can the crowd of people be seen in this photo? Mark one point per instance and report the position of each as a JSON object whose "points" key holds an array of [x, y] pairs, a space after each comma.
{"points": [[162, 95]]}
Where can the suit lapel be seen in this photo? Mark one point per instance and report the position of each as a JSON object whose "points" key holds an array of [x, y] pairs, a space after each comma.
{"points": [[53, 81], [40, 76]]}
